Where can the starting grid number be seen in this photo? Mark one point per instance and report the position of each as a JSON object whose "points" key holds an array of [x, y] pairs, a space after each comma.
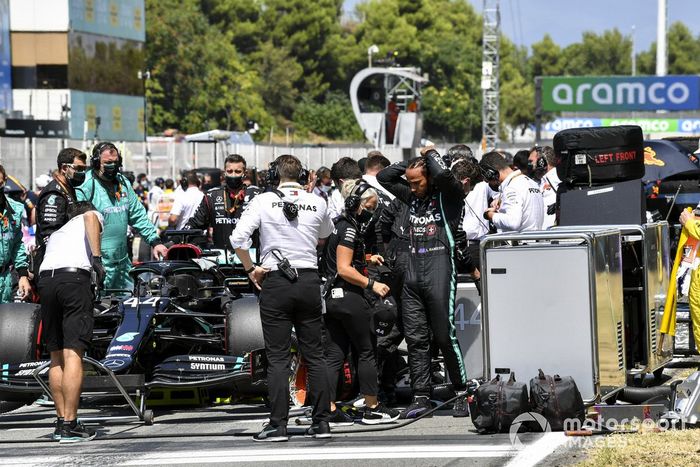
{"points": [[474, 320]]}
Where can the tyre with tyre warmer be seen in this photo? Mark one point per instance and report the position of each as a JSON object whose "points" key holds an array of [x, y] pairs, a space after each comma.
{"points": [[244, 333], [20, 334]]}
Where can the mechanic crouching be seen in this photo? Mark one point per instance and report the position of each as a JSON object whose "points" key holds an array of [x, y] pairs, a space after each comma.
{"points": [[67, 302], [291, 223], [113, 197], [12, 251], [348, 316], [434, 198]]}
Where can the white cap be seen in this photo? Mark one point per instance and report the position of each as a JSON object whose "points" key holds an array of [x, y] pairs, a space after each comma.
{"points": [[42, 180]]}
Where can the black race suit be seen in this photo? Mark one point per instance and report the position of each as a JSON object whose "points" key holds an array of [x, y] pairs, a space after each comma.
{"points": [[221, 209], [430, 283]]}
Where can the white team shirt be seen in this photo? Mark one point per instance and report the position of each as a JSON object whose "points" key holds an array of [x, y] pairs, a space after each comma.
{"points": [[521, 204], [336, 203], [549, 186], [477, 202], [68, 247], [186, 205], [296, 240], [372, 181]]}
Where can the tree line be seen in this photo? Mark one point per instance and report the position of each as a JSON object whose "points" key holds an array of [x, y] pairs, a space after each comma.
{"points": [[289, 63]]}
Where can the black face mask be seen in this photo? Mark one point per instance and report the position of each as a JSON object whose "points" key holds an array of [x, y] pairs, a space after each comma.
{"points": [[109, 171], [234, 183], [77, 179], [365, 216]]}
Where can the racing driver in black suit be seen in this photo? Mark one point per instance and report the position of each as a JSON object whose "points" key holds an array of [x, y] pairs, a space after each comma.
{"points": [[435, 199], [221, 207]]}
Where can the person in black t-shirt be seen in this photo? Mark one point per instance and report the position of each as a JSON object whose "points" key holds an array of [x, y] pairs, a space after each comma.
{"points": [[348, 314]]}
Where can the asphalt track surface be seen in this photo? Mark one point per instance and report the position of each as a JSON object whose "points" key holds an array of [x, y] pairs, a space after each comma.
{"points": [[222, 435]]}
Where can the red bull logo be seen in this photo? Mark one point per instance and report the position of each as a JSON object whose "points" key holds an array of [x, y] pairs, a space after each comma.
{"points": [[650, 157]]}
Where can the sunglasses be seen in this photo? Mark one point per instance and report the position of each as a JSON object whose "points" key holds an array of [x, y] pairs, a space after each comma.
{"points": [[77, 168]]}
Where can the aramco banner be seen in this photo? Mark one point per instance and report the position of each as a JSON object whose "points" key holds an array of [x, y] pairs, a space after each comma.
{"points": [[621, 93]]}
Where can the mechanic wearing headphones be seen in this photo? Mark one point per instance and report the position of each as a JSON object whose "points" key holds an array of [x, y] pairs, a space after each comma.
{"points": [[348, 314], [544, 156], [12, 251], [473, 224], [222, 206], [113, 197], [520, 205], [292, 223], [67, 311], [435, 199]]}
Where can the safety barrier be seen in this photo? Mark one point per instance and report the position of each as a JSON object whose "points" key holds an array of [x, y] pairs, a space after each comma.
{"points": [[26, 158]]}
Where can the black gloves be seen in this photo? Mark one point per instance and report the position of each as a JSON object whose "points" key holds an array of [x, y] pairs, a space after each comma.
{"points": [[99, 271]]}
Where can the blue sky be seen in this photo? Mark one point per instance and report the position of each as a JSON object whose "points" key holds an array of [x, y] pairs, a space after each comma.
{"points": [[526, 21]]}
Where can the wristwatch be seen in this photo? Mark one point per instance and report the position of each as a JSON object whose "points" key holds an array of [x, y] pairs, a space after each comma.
{"points": [[252, 268]]}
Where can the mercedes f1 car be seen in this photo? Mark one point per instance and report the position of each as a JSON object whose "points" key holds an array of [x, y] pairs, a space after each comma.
{"points": [[188, 323]]}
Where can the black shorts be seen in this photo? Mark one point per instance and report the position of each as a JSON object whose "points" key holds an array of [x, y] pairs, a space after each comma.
{"points": [[66, 311]]}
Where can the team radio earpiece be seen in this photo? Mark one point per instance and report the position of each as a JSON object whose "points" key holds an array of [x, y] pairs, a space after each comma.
{"points": [[352, 202], [97, 150]]}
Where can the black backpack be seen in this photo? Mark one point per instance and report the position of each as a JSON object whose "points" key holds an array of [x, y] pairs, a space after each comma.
{"points": [[497, 404], [556, 398]]}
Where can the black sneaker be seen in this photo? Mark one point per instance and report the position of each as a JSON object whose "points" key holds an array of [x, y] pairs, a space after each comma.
{"points": [[379, 415], [75, 432], [272, 434], [57, 431], [418, 407], [340, 418], [320, 430], [460, 408]]}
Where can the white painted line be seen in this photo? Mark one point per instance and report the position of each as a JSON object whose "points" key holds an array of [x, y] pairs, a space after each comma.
{"points": [[231, 456], [536, 452], [47, 429], [324, 453]]}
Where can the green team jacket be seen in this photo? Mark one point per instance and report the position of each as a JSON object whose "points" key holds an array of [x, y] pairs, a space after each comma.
{"points": [[120, 207], [12, 249]]}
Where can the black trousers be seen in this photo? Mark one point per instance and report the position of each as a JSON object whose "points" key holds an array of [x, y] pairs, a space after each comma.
{"points": [[428, 306], [283, 305], [389, 362], [348, 321], [475, 253]]}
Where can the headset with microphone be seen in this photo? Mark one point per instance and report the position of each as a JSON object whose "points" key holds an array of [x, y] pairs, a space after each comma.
{"points": [[540, 164], [98, 149], [352, 202], [489, 173], [273, 175]]}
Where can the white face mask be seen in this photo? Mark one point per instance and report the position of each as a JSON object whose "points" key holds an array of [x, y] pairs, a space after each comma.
{"points": [[325, 188]]}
